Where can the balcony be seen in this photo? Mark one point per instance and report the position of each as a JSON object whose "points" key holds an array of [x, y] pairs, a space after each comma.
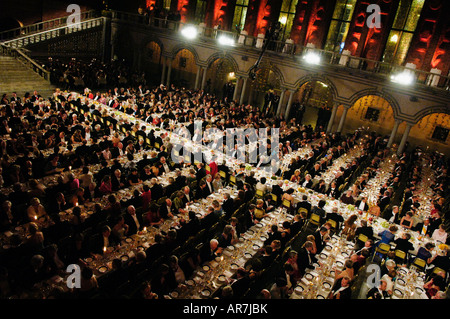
{"points": [[378, 69]]}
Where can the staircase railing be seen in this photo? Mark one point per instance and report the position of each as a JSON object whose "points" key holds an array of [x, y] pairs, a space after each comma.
{"points": [[43, 26], [53, 33], [26, 60]]}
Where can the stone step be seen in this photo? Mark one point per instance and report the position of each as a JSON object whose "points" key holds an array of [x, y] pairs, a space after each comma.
{"points": [[17, 77]]}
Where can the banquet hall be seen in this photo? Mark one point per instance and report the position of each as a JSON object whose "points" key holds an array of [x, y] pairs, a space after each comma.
{"points": [[230, 150]]}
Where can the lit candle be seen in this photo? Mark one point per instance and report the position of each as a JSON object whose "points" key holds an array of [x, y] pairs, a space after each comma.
{"points": [[145, 229], [104, 249], [35, 217]]}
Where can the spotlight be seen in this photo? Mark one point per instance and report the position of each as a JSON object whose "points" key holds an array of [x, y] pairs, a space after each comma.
{"points": [[404, 78], [189, 32], [312, 58], [224, 40]]}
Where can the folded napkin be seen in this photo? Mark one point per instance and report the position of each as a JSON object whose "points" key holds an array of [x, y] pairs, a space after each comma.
{"points": [[228, 273], [214, 264], [227, 252], [8, 233]]}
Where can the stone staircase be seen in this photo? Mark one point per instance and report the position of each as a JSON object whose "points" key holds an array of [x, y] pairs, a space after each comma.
{"points": [[17, 77]]}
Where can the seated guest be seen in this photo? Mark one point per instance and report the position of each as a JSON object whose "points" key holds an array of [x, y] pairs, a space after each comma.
{"points": [[305, 258], [228, 205], [133, 221], [341, 289], [304, 203], [347, 198], [211, 251], [361, 204]]}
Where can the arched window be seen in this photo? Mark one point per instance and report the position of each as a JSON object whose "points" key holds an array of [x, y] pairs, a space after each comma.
{"points": [[240, 12], [286, 18], [340, 23], [402, 31], [200, 11]]}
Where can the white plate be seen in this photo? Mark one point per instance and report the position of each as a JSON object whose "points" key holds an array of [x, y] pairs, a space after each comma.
{"points": [[190, 282], [298, 290], [174, 294], [206, 268], [398, 293], [234, 266], [256, 247], [206, 293], [221, 278], [326, 285], [103, 269], [400, 282], [320, 297], [309, 276], [88, 260]]}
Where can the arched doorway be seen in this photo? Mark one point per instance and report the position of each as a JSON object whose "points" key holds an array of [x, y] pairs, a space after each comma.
{"points": [[312, 104], [432, 131], [372, 111], [221, 78], [152, 61], [265, 90], [184, 69]]}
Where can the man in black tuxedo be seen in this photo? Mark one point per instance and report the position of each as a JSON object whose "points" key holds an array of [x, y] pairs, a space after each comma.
{"points": [[319, 210], [333, 190], [167, 209], [165, 165], [384, 201], [307, 181], [171, 188], [361, 204], [156, 189], [304, 204], [278, 191], [202, 190], [102, 240], [228, 205], [341, 289], [188, 195], [305, 259], [133, 221], [180, 179], [201, 172], [321, 238], [334, 215], [209, 184]]}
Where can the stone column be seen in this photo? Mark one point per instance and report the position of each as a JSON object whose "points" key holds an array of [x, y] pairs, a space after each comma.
{"points": [[280, 103], [197, 77], [163, 73], [244, 87], [344, 115], [169, 71], [289, 104], [332, 117], [205, 69], [236, 88], [404, 138], [393, 133]]}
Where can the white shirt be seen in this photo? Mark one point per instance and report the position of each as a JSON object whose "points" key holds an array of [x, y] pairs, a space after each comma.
{"points": [[361, 205], [438, 236], [136, 221]]}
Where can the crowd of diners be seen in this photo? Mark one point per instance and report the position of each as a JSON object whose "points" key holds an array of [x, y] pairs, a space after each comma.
{"points": [[49, 137]]}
